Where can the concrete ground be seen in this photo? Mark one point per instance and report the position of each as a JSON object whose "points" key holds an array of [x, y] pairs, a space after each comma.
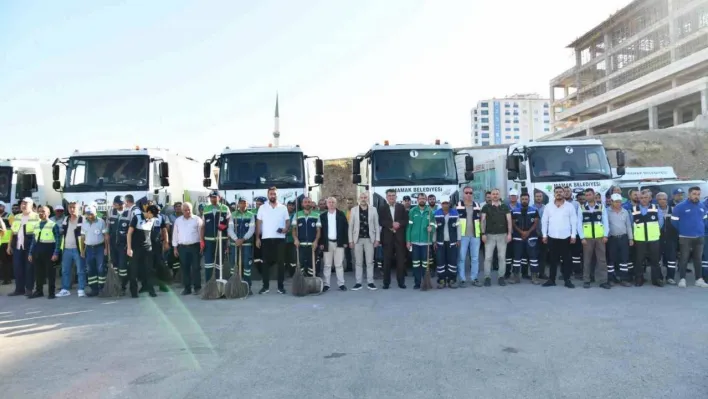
{"points": [[500, 342]]}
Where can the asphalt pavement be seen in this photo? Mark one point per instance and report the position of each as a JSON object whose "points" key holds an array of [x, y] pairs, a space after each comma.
{"points": [[519, 341]]}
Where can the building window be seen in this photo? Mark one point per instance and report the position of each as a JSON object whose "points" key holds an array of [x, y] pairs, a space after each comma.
{"points": [[507, 113], [474, 111], [475, 119], [507, 137], [508, 129], [545, 129], [516, 137], [484, 105], [506, 105], [524, 112], [516, 113], [475, 141], [485, 120], [485, 112], [546, 121], [545, 105], [516, 121], [516, 105], [507, 121], [485, 143], [485, 135], [516, 129], [545, 113], [485, 128]]}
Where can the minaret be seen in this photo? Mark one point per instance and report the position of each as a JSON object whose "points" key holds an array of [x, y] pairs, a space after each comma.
{"points": [[276, 130]]}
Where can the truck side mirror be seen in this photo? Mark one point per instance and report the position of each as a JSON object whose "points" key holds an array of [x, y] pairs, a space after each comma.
{"points": [[164, 170], [207, 170], [55, 172], [165, 181], [620, 163], [511, 175], [469, 175], [522, 172], [356, 179], [319, 179], [512, 163], [319, 167], [56, 185], [356, 167], [206, 182], [469, 164]]}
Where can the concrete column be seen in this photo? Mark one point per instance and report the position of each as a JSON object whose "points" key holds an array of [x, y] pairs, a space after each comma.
{"points": [[578, 63], [653, 118], [674, 83], [608, 108], [566, 91], [694, 113], [704, 101], [672, 28], [678, 116], [590, 131]]}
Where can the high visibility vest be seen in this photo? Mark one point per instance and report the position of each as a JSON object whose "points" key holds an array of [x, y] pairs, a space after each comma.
{"points": [[592, 221], [646, 227], [476, 218], [29, 226], [46, 233], [7, 235]]}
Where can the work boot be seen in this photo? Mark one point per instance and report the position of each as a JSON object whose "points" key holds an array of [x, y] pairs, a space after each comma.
{"points": [[487, 281], [658, 283], [441, 285], [501, 281], [452, 284], [639, 281], [36, 294], [462, 284], [625, 283], [534, 279], [606, 286], [517, 279]]}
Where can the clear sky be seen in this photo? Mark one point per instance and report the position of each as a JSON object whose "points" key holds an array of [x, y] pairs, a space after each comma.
{"points": [[196, 76]]}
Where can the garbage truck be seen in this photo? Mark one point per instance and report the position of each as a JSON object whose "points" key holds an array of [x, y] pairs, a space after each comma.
{"points": [[22, 178]]}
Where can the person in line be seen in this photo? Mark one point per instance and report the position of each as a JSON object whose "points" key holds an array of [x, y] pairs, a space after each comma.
{"points": [[131, 206], [407, 202], [257, 257], [525, 240], [470, 215], [242, 227], [186, 244], [669, 239], [306, 234], [676, 197], [394, 221], [272, 223], [434, 206], [513, 202], [559, 227], [44, 252], [290, 251], [421, 221], [496, 234], [95, 246], [448, 232], [335, 227], [58, 217], [620, 237], [648, 221], [690, 218], [160, 246], [71, 252], [364, 238], [538, 198], [118, 221], [593, 223], [172, 260], [5, 238], [216, 219], [140, 247], [23, 227]]}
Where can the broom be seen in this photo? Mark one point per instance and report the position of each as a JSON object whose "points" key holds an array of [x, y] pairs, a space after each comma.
{"points": [[236, 288], [112, 287], [298, 286], [211, 288], [427, 284]]}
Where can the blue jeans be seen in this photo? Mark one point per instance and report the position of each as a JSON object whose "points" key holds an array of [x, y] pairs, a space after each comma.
{"points": [[72, 256], [469, 245], [96, 269], [246, 254], [23, 269]]}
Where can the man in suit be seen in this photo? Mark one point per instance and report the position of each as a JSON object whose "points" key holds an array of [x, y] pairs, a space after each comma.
{"points": [[334, 238], [364, 236], [394, 221]]}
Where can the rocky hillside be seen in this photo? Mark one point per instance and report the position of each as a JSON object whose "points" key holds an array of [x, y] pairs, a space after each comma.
{"points": [[338, 181]]}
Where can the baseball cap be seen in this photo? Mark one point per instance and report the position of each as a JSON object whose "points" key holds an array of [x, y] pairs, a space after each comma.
{"points": [[260, 199], [214, 194], [241, 199], [2, 204], [616, 197], [28, 200], [677, 191], [513, 191], [58, 208], [90, 210], [445, 201], [406, 197], [118, 199]]}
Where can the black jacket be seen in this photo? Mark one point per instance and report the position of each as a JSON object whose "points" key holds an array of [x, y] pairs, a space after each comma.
{"points": [[342, 230]]}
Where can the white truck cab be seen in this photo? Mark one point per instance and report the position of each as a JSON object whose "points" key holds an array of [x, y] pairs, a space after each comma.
{"points": [[21, 178], [659, 180], [249, 172]]}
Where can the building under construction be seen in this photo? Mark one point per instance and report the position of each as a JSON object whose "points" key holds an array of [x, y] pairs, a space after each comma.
{"points": [[644, 68]]}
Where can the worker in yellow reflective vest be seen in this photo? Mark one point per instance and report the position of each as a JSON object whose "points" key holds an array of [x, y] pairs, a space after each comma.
{"points": [[470, 213], [5, 236], [44, 252], [593, 235], [23, 227], [647, 221]]}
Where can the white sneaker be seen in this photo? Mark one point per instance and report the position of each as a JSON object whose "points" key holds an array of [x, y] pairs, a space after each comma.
{"points": [[63, 292], [682, 283], [701, 283], [82, 293]]}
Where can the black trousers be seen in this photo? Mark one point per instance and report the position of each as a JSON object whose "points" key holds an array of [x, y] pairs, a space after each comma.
{"points": [[651, 251], [162, 274], [560, 249], [5, 265], [542, 256], [189, 260], [394, 250], [290, 257], [690, 247], [140, 268], [44, 269], [273, 250], [576, 254]]}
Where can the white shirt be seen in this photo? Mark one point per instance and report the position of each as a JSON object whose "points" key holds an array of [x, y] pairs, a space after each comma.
{"points": [[559, 222], [392, 208], [70, 240], [21, 233], [187, 231], [332, 225], [272, 219]]}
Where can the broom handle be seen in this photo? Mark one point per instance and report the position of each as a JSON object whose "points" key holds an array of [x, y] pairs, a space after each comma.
{"points": [[218, 248], [239, 255]]}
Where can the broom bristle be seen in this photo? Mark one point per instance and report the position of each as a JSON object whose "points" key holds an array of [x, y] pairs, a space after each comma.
{"points": [[112, 287], [236, 288], [211, 288], [427, 284], [298, 288]]}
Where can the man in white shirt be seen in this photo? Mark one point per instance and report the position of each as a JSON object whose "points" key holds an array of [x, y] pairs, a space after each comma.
{"points": [[186, 241], [272, 224], [559, 226]]}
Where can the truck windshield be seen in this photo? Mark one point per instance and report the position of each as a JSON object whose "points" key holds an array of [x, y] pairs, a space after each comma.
{"points": [[261, 170], [414, 166], [86, 174], [5, 184], [564, 163], [669, 187]]}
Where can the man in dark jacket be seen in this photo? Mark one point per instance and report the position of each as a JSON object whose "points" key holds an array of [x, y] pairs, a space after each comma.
{"points": [[394, 222], [333, 239]]}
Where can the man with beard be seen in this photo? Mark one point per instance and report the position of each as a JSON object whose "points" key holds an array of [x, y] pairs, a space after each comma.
{"points": [[689, 218], [525, 220], [242, 227], [44, 251], [216, 219], [290, 252], [448, 232], [364, 237], [648, 220], [593, 235], [513, 202], [669, 239], [538, 198], [559, 227], [394, 219], [421, 221], [306, 233], [273, 222]]}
